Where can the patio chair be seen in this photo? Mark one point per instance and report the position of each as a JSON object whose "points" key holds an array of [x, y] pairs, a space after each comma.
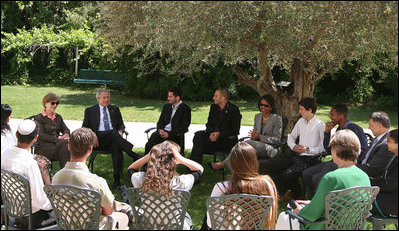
{"points": [[379, 222], [16, 196], [76, 208], [344, 209], [152, 211], [238, 211]]}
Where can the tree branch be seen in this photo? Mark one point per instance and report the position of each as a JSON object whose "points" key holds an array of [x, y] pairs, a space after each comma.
{"points": [[244, 77]]}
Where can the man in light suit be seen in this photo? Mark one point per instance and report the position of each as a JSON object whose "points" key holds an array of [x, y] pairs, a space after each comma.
{"points": [[173, 121], [106, 122], [375, 160]]}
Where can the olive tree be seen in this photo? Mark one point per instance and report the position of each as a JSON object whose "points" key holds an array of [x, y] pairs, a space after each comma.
{"points": [[307, 38]]}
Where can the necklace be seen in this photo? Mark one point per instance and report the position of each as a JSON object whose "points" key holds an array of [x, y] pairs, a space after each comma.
{"points": [[265, 118]]}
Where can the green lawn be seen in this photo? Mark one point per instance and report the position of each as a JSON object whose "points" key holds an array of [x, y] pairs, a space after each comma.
{"points": [[199, 193], [26, 101]]}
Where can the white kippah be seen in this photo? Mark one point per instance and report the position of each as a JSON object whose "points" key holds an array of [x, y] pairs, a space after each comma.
{"points": [[26, 127]]}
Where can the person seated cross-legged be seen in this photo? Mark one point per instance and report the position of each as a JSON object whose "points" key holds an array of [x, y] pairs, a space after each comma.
{"points": [[173, 121], [107, 123], [224, 120], [268, 127]]}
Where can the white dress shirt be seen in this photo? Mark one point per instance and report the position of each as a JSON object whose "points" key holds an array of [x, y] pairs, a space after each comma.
{"points": [[20, 161], [101, 126], [168, 127], [311, 134], [8, 140]]}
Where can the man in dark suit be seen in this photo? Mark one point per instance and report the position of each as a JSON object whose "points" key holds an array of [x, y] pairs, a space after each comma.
{"points": [[375, 160], [224, 120], [173, 121], [106, 122]]}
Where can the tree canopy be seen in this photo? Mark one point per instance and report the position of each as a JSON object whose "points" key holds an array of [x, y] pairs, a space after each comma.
{"points": [[307, 38], [320, 34]]}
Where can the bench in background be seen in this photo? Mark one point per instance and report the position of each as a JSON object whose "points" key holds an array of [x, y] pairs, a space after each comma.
{"points": [[91, 76]]}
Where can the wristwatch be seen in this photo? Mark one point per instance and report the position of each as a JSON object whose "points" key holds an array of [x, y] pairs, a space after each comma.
{"points": [[307, 150]]}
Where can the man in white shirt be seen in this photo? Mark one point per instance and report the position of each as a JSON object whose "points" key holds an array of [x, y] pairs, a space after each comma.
{"points": [[19, 160], [309, 131]]}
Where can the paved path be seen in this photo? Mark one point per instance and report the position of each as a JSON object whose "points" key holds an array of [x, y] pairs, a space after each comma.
{"points": [[137, 135], [136, 131]]}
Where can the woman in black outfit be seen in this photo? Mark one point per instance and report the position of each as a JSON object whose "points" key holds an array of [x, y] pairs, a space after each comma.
{"points": [[386, 204], [53, 133]]}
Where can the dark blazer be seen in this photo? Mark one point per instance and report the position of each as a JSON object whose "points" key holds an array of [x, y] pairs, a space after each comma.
{"points": [[227, 122], [49, 130], [181, 120], [387, 198], [378, 159], [92, 118]]}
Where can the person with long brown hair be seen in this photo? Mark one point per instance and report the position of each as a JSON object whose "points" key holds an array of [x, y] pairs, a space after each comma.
{"points": [[245, 178], [161, 176]]}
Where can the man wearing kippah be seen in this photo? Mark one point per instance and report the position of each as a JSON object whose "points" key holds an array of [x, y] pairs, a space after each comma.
{"points": [[19, 160]]}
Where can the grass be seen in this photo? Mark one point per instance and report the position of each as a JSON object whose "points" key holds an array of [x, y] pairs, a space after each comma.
{"points": [[199, 193], [27, 100]]}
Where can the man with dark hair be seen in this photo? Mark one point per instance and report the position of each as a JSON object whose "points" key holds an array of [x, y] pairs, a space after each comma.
{"points": [[309, 129], [77, 174], [19, 160], [374, 161], [106, 121], [173, 121], [338, 116], [224, 120]]}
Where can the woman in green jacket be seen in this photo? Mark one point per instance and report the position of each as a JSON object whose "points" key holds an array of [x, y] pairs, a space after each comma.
{"points": [[345, 148]]}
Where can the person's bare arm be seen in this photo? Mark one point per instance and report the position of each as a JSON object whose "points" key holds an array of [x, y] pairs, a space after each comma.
{"points": [[140, 162]]}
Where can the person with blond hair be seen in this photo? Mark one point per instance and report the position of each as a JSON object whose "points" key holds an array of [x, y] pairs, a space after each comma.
{"points": [[161, 176], [53, 133], [245, 178]]}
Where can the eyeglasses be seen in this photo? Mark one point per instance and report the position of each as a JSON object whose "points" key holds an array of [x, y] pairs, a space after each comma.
{"points": [[264, 105], [58, 102]]}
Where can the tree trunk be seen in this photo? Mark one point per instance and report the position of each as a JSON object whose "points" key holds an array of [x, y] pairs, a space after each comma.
{"points": [[286, 102]]}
